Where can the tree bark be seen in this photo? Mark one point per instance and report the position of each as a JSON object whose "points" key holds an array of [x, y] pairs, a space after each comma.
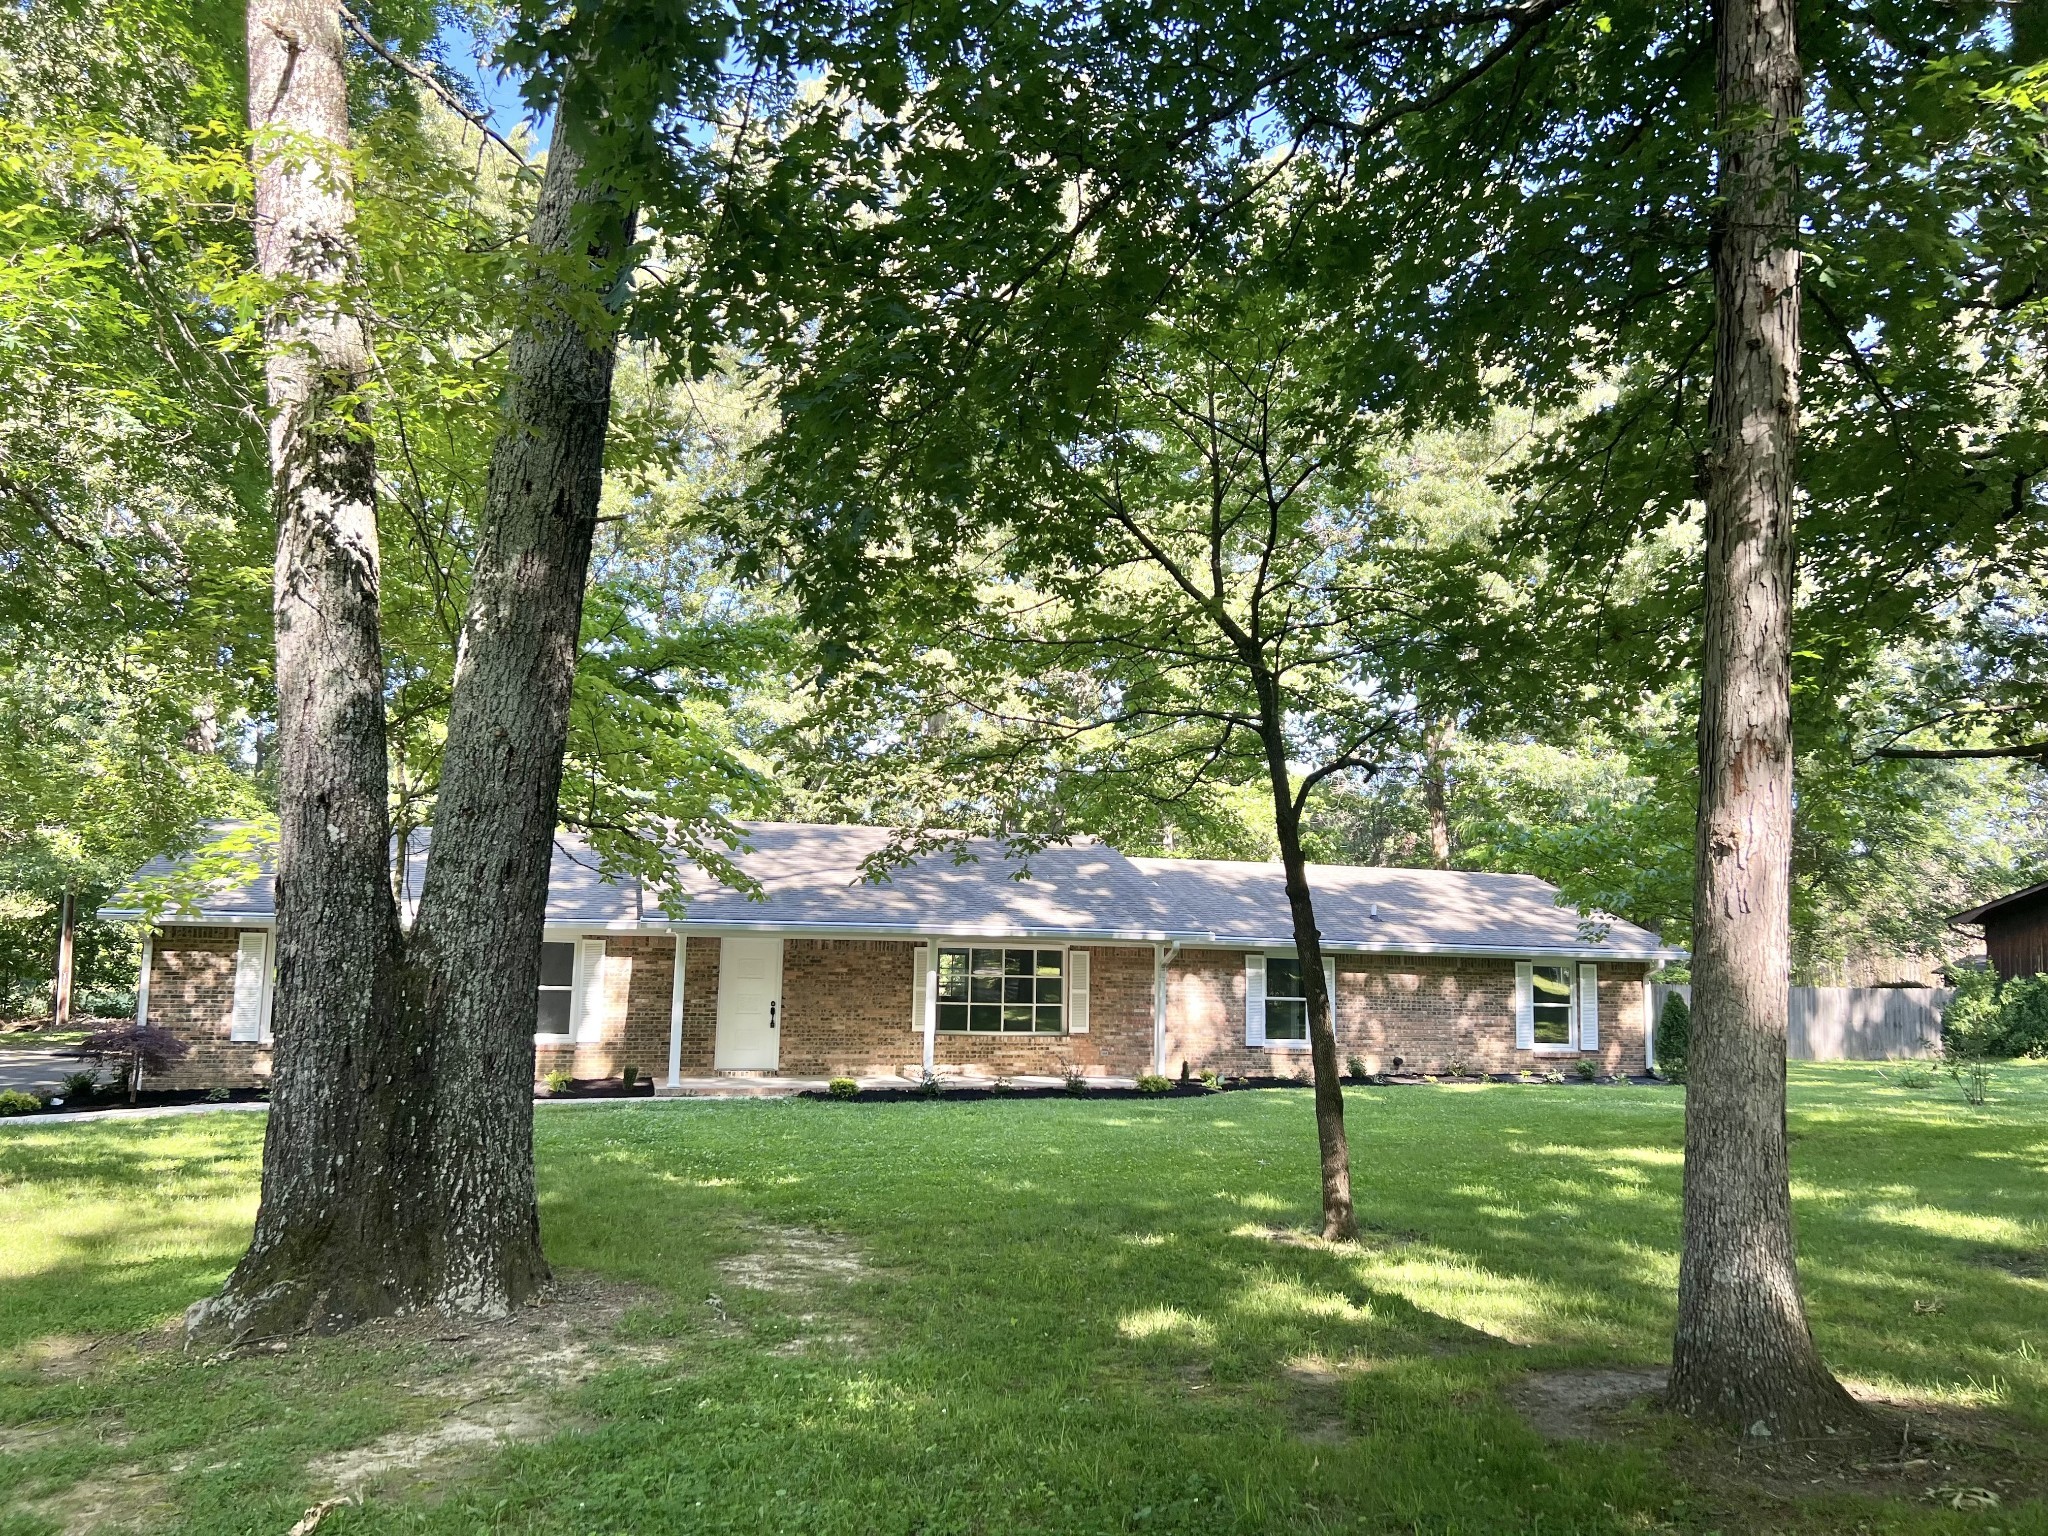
{"points": [[473, 963], [337, 1236], [67, 950], [1743, 1355], [1340, 1220], [1433, 799]]}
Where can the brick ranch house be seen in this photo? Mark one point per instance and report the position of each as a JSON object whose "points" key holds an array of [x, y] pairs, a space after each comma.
{"points": [[1081, 958]]}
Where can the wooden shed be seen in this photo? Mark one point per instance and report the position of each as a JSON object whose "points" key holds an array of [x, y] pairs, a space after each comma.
{"points": [[2015, 931]]}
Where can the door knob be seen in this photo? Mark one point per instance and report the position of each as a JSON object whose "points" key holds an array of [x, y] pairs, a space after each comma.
{"points": [[771, 1015]]}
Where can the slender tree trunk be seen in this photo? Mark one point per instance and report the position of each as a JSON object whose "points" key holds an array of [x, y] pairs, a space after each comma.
{"points": [[1433, 798], [67, 949], [1340, 1221], [337, 1236], [1743, 1355], [475, 951]]}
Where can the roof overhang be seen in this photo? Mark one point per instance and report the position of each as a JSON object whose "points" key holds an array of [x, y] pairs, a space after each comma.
{"points": [[1978, 913]]}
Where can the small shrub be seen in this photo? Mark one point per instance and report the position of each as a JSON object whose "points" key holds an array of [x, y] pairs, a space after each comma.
{"points": [[1587, 1068], [80, 1085], [843, 1088], [1000, 1087], [628, 1076], [1674, 1037], [14, 1102], [1077, 1081], [1971, 1074], [133, 1049], [558, 1081], [1457, 1066], [930, 1084], [1152, 1082], [1354, 1067], [1213, 1081], [1908, 1074], [216, 1095]]}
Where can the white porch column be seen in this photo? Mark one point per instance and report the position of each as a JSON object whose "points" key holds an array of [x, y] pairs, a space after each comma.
{"points": [[675, 1013], [931, 1005], [142, 985]]}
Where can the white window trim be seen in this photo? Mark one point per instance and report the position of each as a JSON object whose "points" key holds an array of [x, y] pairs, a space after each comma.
{"points": [[1306, 1042], [928, 994], [1571, 1041], [574, 939]]}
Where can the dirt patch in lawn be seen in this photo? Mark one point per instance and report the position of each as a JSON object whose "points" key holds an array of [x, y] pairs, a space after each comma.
{"points": [[1581, 1404], [798, 1264], [117, 1499], [490, 1383], [1932, 1454]]}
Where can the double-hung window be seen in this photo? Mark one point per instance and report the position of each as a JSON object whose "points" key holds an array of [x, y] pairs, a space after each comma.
{"points": [[557, 988], [1552, 998], [996, 990], [1286, 999]]}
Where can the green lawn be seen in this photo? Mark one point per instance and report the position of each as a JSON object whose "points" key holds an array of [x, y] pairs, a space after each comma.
{"points": [[1046, 1315]]}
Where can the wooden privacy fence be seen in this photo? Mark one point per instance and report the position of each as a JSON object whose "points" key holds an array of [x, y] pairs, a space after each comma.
{"points": [[1851, 1023]]}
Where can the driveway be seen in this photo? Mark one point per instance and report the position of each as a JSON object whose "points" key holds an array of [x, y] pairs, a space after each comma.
{"points": [[36, 1067]]}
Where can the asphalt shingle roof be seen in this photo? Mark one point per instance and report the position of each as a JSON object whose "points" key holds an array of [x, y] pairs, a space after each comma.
{"points": [[810, 880]]}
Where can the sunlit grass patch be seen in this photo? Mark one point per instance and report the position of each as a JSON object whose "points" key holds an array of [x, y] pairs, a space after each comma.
{"points": [[1064, 1317]]}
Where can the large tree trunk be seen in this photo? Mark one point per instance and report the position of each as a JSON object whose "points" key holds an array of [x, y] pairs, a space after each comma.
{"points": [[336, 1235], [473, 965], [1743, 1355], [1434, 797], [1340, 1221]]}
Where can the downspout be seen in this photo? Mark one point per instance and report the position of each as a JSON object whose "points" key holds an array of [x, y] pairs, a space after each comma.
{"points": [[142, 984]]}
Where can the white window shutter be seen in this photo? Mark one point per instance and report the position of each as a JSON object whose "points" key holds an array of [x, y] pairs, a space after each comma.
{"points": [[590, 978], [1077, 991], [1330, 989], [1255, 1000], [1525, 1007], [920, 963], [252, 969], [1589, 1007]]}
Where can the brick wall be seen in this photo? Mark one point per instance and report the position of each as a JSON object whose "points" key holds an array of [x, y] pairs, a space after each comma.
{"points": [[632, 1014], [846, 1010], [1428, 1010], [192, 994]]}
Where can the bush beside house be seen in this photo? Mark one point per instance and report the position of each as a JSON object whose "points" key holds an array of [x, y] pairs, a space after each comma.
{"points": [[1992, 1020]]}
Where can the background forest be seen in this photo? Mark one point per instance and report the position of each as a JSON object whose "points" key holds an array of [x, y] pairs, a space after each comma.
{"points": [[1534, 688]]}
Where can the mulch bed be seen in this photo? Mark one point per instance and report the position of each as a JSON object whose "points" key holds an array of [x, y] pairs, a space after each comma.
{"points": [[599, 1088], [981, 1088]]}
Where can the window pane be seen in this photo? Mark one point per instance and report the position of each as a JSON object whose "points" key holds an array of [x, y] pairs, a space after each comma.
{"points": [[988, 962], [1017, 1018], [557, 964], [1019, 989], [1286, 1019], [952, 1015], [554, 1012], [1551, 989], [952, 975], [986, 989], [1049, 962], [986, 1016], [1049, 989], [1016, 962], [1283, 977], [1048, 1019]]}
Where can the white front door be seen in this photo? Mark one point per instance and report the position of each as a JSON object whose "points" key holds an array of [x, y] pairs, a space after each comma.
{"points": [[749, 1005]]}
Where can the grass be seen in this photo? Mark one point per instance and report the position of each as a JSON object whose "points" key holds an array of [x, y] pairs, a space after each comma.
{"points": [[1070, 1316]]}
